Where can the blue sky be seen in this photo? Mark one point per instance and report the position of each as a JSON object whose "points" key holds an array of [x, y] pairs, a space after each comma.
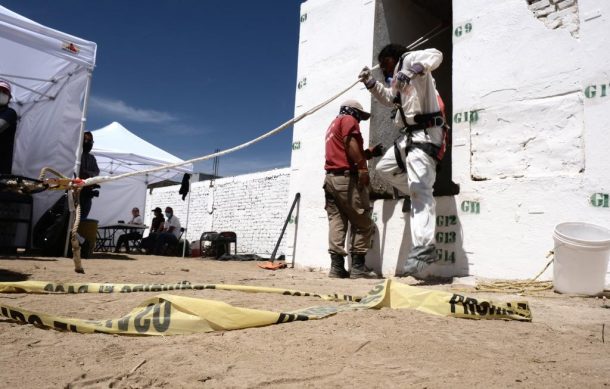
{"points": [[189, 76]]}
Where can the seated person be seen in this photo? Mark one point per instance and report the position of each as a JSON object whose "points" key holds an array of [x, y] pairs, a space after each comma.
{"points": [[155, 227], [168, 236], [134, 235]]}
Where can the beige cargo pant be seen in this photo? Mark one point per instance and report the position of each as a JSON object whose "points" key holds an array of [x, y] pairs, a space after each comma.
{"points": [[346, 203]]}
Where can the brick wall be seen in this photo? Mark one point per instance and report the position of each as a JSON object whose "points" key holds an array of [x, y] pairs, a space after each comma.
{"points": [[254, 206], [557, 14]]}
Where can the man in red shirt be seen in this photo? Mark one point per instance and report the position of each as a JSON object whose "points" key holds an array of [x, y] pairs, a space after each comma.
{"points": [[346, 188]]}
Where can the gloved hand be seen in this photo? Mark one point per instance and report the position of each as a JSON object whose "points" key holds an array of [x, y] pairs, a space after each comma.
{"points": [[363, 178], [375, 151], [402, 79], [366, 76], [417, 68]]}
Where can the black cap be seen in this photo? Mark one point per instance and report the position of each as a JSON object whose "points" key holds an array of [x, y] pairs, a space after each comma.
{"points": [[157, 209]]}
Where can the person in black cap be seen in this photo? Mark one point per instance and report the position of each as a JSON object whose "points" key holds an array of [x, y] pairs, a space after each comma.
{"points": [[8, 128], [88, 169], [148, 243]]}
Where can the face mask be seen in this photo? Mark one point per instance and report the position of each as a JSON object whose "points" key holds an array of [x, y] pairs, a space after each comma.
{"points": [[168, 214], [4, 98], [350, 111], [388, 80], [87, 146]]}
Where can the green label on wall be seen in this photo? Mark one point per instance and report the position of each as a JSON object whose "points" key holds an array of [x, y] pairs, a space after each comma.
{"points": [[465, 117], [471, 207], [446, 220], [462, 29], [446, 237], [296, 145], [597, 91], [302, 83], [445, 256], [600, 200]]}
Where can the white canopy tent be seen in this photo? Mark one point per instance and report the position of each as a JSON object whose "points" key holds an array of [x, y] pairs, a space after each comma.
{"points": [[50, 74], [119, 151]]}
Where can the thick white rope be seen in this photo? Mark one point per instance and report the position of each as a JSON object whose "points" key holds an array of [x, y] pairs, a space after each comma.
{"points": [[101, 179]]}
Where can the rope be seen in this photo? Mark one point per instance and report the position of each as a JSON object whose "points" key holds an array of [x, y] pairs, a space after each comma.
{"points": [[519, 286], [100, 179], [78, 267], [74, 191]]}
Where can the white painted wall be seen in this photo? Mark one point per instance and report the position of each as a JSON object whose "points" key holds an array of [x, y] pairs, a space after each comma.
{"points": [[538, 141], [530, 152], [336, 40], [254, 206]]}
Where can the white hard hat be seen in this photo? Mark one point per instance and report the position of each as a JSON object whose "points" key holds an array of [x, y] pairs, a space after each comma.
{"points": [[356, 105]]}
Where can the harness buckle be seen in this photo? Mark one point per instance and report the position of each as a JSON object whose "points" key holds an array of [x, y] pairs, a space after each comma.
{"points": [[437, 121]]}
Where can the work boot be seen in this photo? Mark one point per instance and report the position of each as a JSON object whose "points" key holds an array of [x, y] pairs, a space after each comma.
{"points": [[419, 258], [359, 270], [337, 267]]}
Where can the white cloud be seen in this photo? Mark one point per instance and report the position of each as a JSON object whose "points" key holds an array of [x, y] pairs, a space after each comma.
{"points": [[120, 110]]}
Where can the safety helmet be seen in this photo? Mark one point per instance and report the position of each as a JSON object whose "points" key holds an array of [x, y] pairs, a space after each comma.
{"points": [[351, 103], [6, 86]]}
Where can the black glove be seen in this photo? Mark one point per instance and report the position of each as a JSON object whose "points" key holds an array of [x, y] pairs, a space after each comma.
{"points": [[184, 187], [375, 151]]}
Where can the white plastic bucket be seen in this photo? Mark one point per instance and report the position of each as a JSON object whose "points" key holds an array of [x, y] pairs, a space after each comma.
{"points": [[582, 251]]}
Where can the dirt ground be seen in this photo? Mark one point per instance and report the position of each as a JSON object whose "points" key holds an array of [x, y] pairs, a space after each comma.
{"points": [[564, 346]]}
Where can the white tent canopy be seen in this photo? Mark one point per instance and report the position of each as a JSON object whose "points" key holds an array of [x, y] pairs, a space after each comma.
{"points": [[119, 151], [50, 72]]}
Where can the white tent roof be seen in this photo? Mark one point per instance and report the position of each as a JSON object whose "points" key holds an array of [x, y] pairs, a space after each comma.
{"points": [[118, 151], [49, 72]]}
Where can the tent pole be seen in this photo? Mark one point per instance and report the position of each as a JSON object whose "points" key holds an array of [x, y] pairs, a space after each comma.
{"points": [[79, 149], [186, 229]]}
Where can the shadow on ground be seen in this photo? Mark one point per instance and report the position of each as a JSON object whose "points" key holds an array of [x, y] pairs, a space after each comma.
{"points": [[12, 276]]}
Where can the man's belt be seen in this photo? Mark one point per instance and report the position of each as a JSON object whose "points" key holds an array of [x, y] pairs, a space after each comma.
{"points": [[342, 172]]}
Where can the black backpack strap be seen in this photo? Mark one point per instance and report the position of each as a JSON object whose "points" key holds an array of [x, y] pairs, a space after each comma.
{"points": [[399, 161]]}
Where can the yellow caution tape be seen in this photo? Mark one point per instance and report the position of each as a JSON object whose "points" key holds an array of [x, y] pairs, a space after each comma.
{"points": [[93, 287], [168, 314]]}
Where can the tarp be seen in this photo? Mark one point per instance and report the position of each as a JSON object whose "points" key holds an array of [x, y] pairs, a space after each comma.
{"points": [[50, 73], [118, 151]]}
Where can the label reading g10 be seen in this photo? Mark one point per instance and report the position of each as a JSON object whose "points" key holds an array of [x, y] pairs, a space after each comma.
{"points": [[465, 117]]}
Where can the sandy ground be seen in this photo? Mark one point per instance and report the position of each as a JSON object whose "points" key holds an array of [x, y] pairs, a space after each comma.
{"points": [[563, 346]]}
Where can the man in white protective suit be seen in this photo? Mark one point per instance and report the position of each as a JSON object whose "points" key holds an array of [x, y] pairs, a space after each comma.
{"points": [[410, 166]]}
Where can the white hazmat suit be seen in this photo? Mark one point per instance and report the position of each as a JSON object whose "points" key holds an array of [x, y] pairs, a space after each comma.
{"points": [[418, 95]]}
